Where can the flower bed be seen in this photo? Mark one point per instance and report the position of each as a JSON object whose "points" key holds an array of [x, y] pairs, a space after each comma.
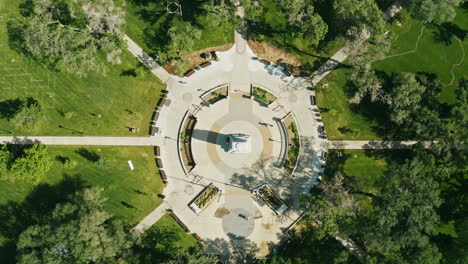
{"points": [[263, 95], [271, 199], [216, 95], [293, 144], [204, 198], [185, 138]]}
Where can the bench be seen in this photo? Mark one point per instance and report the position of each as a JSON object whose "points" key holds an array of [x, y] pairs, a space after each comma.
{"points": [[152, 130], [163, 175], [312, 100], [157, 151], [177, 219], [205, 64], [265, 62], [189, 73], [161, 102], [155, 116], [159, 163], [197, 237]]}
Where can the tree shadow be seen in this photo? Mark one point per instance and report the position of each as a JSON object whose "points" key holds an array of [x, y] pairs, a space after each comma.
{"points": [[15, 217], [158, 245], [9, 108], [236, 249], [87, 154]]}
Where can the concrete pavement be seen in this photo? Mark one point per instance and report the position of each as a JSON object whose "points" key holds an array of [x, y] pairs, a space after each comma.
{"points": [[151, 219], [372, 144], [149, 62], [84, 141]]}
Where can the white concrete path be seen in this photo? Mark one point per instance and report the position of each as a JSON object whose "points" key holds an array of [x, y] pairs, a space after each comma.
{"points": [[375, 144], [344, 52], [151, 219], [84, 141], [142, 56]]}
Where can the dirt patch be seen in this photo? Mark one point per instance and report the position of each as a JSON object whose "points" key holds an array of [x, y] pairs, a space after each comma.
{"points": [[276, 55], [194, 59], [221, 212], [216, 95], [267, 226]]}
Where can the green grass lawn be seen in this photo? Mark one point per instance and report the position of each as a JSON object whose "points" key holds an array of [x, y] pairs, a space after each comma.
{"points": [[436, 53], [131, 194], [337, 113], [102, 104], [143, 19], [184, 239], [360, 168], [164, 240]]}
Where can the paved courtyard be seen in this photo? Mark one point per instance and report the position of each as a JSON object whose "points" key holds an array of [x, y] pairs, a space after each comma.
{"points": [[236, 214]]}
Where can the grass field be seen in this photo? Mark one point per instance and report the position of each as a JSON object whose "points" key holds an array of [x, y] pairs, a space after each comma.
{"points": [[148, 22], [131, 194], [164, 240], [437, 51], [360, 168], [345, 115], [101, 104]]}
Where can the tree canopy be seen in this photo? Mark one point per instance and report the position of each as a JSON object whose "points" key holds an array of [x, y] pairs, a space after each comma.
{"points": [[76, 232], [303, 21], [71, 35], [359, 14], [433, 11], [29, 164]]}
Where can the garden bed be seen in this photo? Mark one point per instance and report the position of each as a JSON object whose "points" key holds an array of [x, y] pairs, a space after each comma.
{"points": [[216, 95], [293, 144], [186, 143], [204, 198], [263, 95], [271, 199]]}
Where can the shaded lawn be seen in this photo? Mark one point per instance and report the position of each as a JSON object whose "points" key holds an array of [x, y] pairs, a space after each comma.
{"points": [[276, 32], [361, 169], [343, 120], [164, 240], [131, 194], [147, 25], [100, 103], [306, 247], [437, 52]]}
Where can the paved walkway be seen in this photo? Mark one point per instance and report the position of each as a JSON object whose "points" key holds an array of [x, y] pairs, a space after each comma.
{"points": [[84, 141], [343, 53], [374, 144], [142, 56], [151, 219]]}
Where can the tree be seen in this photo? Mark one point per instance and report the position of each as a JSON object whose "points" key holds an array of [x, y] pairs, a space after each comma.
{"points": [[405, 97], [433, 11], [254, 11], [405, 213], [69, 35], [182, 40], [30, 115], [359, 14], [33, 165], [222, 10], [196, 256], [303, 21], [78, 232], [364, 82]]}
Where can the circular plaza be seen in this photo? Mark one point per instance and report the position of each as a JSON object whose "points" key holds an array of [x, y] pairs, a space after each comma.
{"points": [[240, 146]]}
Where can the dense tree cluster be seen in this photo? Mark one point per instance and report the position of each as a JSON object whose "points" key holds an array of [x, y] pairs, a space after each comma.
{"points": [[433, 11], [28, 164], [76, 232], [304, 22], [71, 35]]}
